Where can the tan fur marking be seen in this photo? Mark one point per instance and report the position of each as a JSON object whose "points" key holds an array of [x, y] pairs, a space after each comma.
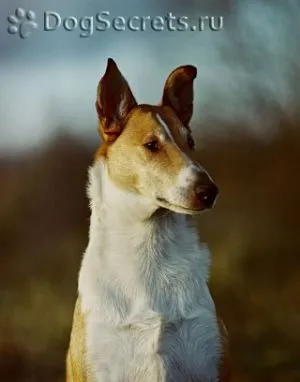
{"points": [[77, 370], [101, 152], [142, 123], [141, 127]]}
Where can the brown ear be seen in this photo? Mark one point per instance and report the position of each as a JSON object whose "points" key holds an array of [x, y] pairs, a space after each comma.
{"points": [[114, 101], [179, 93]]}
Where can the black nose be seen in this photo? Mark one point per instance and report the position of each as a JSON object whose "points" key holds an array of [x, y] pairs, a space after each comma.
{"points": [[207, 194]]}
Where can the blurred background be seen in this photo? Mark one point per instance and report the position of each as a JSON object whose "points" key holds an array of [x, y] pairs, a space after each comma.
{"points": [[246, 125]]}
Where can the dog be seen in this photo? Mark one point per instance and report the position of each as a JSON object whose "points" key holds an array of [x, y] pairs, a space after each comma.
{"points": [[144, 312]]}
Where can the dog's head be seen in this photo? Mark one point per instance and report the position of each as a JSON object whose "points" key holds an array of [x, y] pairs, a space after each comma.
{"points": [[149, 149]]}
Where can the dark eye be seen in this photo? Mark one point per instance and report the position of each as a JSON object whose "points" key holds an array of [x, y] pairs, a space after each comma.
{"points": [[152, 146], [191, 142]]}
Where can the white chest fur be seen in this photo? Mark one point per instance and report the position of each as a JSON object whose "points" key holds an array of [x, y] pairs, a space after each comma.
{"points": [[143, 285]]}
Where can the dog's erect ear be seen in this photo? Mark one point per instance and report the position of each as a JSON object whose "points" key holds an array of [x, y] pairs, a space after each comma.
{"points": [[114, 101], [179, 92]]}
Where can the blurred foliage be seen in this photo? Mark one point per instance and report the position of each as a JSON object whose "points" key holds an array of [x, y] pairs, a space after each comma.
{"points": [[253, 233]]}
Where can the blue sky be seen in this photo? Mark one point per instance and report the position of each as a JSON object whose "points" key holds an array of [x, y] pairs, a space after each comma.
{"points": [[50, 78]]}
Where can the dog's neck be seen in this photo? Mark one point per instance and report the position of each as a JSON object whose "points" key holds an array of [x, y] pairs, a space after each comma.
{"points": [[112, 208], [140, 260]]}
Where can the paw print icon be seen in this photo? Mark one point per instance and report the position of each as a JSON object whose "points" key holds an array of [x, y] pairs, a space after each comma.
{"points": [[22, 23]]}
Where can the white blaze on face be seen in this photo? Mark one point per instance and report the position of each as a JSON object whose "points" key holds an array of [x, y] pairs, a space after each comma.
{"points": [[182, 129], [188, 174], [166, 129]]}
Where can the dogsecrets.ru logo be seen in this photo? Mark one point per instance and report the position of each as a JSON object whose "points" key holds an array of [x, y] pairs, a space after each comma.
{"points": [[23, 23]]}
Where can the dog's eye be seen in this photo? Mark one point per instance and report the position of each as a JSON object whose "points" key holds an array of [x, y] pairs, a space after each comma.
{"points": [[152, 146], [191, 142]]}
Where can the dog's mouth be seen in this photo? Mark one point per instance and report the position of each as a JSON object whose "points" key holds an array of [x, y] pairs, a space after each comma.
{"points": [[178, 208]]}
